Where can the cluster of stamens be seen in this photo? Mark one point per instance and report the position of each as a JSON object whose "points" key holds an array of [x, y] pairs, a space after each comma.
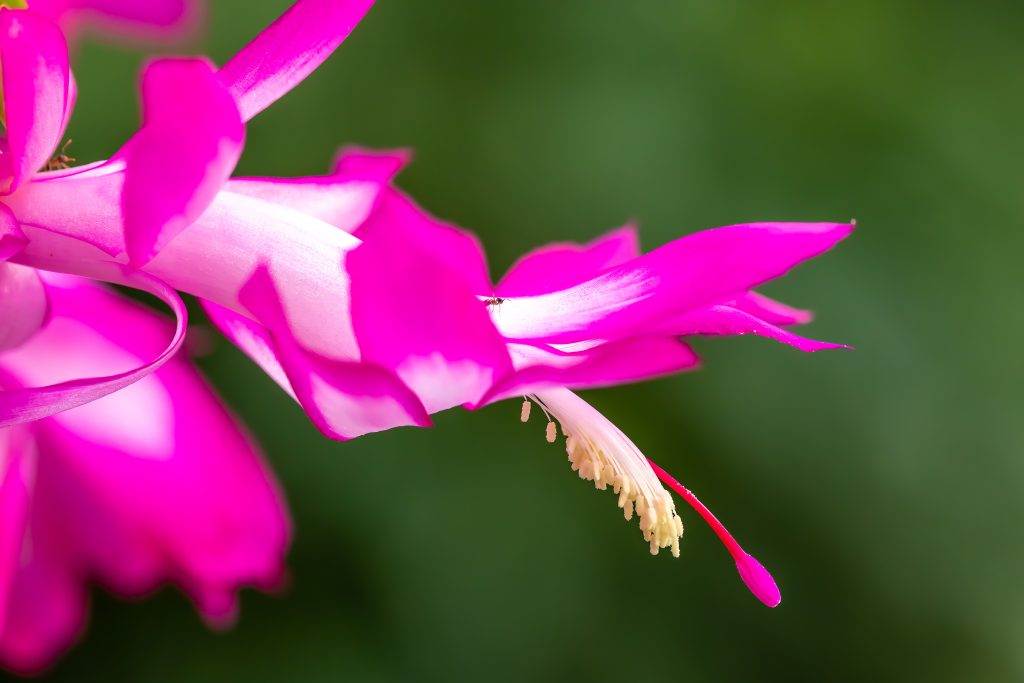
{"points": [[606, 457]]}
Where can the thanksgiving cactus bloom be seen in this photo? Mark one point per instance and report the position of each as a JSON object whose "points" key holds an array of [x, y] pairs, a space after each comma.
{"points": [[373, 314], [153, 484]]}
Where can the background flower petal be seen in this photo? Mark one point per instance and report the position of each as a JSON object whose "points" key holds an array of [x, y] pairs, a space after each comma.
{"points": [[288, 50], [156, 483]]}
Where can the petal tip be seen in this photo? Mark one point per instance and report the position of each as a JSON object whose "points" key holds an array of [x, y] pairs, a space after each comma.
{"points": [[758, 580]]}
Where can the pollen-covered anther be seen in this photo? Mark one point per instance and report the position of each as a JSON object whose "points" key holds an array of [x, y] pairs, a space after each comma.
{"points": [[660, 524], [600, 453]]}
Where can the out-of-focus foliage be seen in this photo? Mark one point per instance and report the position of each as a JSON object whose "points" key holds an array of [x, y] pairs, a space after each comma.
{"points": [[883, 486]]}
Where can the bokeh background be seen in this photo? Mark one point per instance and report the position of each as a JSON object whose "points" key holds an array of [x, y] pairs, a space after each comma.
{"points": [[881, 486]]}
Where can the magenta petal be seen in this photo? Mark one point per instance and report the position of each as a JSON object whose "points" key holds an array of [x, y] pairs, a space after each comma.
{"points": [[758, 580], [345, 399], [47, 606], [557, 266], [153, 484], [23, 302], [288, 50], [770, 310], [340, 201], [398, 221], [379, 166], [725, 320], [27, 404], [689, 273], [618, 362], [417, 315], [12, 239], [36, 80], [188, 146]]}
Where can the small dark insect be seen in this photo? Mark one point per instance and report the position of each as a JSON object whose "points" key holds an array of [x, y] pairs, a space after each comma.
{"points": [[61, 160], [494, 301]]}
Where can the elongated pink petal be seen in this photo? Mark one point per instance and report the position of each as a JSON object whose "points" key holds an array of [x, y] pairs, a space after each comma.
{"points": [[345, 399], [726, 320], [557, 266], [418, 315], [35, 78], [188, 146], [770, 310], [23, 303], [288, 50], [34, 403], [343, 202], [617, 362], [691, 272], [153, 484], [398, 221]]}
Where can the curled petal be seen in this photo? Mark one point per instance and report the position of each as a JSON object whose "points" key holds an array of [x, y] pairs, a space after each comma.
{"points": [[26, 404], [689, 273], [561, 265], [402, 225], [414, 311], [345, 399], [288, 50], [188, 146], [36, 89]]}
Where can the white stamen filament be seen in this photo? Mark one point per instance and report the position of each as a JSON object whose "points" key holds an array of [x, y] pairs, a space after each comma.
{"points": [[601, 453]]}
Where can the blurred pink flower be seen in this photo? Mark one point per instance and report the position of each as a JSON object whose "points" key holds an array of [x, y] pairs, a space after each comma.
{"points": [[156, 483], [135, 20]]}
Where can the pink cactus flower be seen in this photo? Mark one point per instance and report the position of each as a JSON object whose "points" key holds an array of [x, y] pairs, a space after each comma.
{"points": [[154, 484], [372, 314]]}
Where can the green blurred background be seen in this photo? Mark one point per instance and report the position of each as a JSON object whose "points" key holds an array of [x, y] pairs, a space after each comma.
{"points": [[881, 486]]}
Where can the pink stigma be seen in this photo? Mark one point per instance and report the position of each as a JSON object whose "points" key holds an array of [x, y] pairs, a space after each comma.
{"points": [[753, 573]]}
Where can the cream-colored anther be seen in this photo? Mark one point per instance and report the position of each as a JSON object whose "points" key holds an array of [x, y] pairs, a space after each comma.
{"points": [[599, 452], [524, 416], [551, 433]]}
